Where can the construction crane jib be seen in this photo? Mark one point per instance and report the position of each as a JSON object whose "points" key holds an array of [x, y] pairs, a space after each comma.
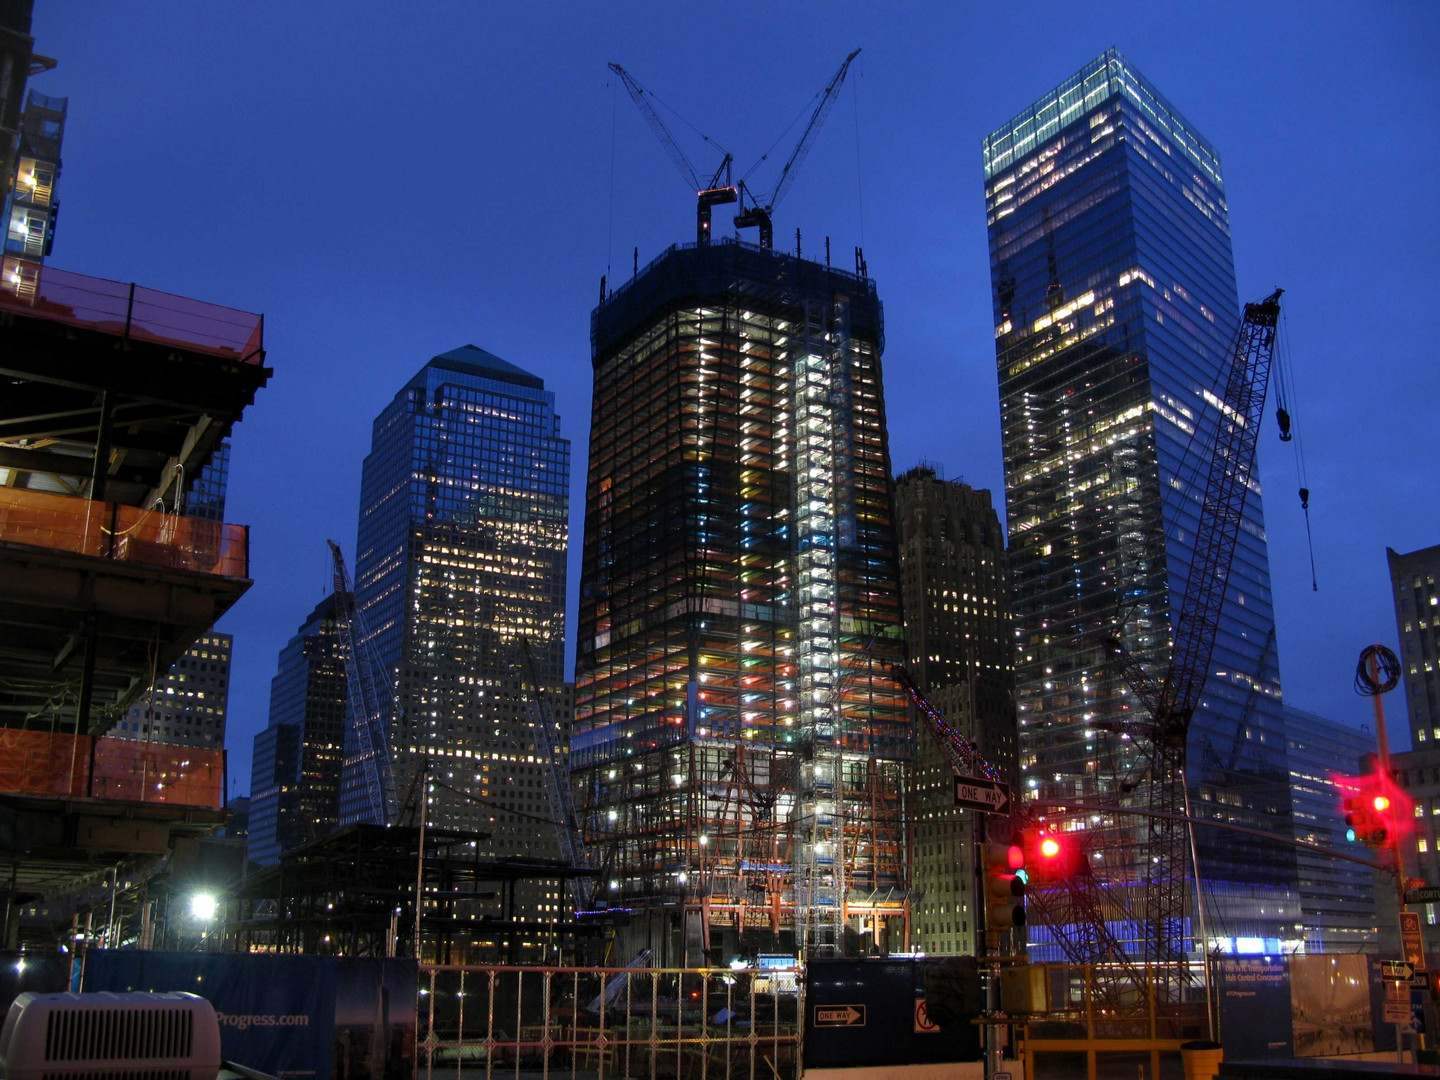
{"points": [[710, 194], [758, 216], [370, 707]]}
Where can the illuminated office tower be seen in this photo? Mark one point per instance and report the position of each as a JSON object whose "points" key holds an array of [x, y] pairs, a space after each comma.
{"points": [[460, 554], [739, 745], [1115, 312]]}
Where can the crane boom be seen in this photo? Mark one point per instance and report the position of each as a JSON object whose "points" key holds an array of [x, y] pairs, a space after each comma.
{"points": [[827, 101], [562, 805], [964, 756], [710, 194], [370, 705], [1172, 704]]}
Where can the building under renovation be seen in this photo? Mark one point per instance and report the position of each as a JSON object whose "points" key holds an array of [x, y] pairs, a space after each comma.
{"points": [[740, 746]]}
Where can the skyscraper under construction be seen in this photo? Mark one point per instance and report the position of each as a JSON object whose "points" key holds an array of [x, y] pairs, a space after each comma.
{"points": [[739, 744]]}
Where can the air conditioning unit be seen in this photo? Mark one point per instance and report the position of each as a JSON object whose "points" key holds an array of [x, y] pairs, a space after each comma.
{"points": [[100, 1036]]}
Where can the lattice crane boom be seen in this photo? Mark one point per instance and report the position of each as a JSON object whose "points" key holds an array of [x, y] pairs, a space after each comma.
{"points": [[1172, 704], [371, 707], [560, 801], [708, 194]]}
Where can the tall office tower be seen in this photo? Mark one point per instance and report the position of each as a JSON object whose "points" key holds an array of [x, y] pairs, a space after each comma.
{"points": [[1337, 897], [460, 555], [1115, 316], [295, 769], [1417, 623], [739, 745], [954, 590]]}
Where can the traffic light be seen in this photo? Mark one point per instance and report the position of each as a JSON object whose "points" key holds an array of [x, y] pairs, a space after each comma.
{"points": [[1377, 812], [1368, 819], [1005, 884], [1053, 856]]}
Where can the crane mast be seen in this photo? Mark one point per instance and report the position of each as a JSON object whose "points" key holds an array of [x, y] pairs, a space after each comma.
{"points": [[1171, 704], [370, 707]]}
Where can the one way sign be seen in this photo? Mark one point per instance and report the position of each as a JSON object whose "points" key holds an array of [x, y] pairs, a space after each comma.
{"points": [[987, 796]]}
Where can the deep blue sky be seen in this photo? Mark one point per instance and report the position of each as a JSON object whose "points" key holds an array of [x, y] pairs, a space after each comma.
{"points": [[386, 182]]}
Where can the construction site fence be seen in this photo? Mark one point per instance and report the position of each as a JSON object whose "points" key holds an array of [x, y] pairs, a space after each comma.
{"points": [[125, 533], [1098, 1021], [597, 1023], [130, 311], [57, 764]]}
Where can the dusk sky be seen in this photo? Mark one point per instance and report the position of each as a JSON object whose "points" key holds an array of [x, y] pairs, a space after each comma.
{"points": [[386, 182]]}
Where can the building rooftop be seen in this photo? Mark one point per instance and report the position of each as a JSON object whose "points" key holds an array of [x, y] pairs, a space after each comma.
{"points": [[473, 360], [1108, 75]]}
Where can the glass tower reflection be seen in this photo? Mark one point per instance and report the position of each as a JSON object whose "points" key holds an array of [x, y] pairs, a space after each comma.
{"points": [[1115, 314]]}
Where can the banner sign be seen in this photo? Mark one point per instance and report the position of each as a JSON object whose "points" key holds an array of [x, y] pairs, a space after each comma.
{"points": [[1254, 1007], [295, 1017]]}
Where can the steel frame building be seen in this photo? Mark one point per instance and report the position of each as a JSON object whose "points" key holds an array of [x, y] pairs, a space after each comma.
{"points": [[739, 749]]}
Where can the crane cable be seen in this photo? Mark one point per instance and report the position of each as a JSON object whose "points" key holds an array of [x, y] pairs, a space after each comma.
{"points": [[1290, 431]]}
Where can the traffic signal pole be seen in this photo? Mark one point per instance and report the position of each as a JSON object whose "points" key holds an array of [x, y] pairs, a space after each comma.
{"points": [[1375, 690]]}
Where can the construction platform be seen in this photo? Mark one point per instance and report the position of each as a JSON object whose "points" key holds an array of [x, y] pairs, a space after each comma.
{"points": [[116, 396]]}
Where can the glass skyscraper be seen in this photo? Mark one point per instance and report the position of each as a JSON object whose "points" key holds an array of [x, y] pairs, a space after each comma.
{"points": [[1115, 314], [295, 770], [460, 554], [740, 746]]}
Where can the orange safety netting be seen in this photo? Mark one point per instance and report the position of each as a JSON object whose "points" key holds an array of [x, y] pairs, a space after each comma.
{"points": [[128, 533], [46, 763]]}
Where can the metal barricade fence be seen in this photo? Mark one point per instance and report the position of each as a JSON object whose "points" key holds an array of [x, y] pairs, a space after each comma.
{"points": [[601, 1023]]}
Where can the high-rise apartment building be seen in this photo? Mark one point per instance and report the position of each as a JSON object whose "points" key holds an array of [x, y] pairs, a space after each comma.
{"points": [[1417, 623], [739, 745], [1115, 316], [954, 589], [295, 770], [1337, 897], [460, 555]]}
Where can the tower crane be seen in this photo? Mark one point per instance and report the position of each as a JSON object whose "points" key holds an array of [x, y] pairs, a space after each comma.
{"points": [[710, 194], [759, 216], [371, 707], [1170, 705]]}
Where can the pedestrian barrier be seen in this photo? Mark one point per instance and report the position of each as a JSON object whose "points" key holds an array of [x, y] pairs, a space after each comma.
{"points": [[597, 1023]]}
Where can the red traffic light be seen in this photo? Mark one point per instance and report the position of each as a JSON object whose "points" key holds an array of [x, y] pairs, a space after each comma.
{"points": [[1049, 847], [1015, 857], [1376, 811]]}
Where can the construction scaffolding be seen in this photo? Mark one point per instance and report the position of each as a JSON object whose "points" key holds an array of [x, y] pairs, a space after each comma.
{"points": [[739, 745]]}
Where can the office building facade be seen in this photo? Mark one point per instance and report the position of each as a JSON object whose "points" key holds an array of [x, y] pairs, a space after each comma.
{"points": [[1115, 315], [740, 748], [460, 555], [1417, 624], [295, 768], [1337, 897], [954, 589], [187, 705]]}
